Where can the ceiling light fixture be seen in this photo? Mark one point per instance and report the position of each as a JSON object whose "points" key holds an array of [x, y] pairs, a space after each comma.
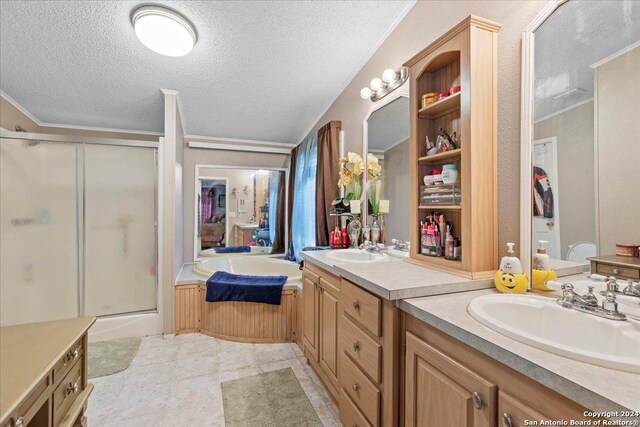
{"points": [[163, 30], [379, 88]]}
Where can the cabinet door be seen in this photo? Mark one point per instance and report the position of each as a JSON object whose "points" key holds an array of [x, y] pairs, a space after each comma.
{"points": [[439, 391], [310, 297], [329, 331]]}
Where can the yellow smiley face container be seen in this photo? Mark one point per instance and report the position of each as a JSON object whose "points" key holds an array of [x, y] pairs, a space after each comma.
{"points": [[540, 277], [508, 283]]}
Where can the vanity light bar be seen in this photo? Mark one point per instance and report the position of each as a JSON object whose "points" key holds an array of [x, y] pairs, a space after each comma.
{"points": [[379, 88]]}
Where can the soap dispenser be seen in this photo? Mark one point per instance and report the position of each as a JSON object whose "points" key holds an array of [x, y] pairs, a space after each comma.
{"points": [[511, 264], [541, 271], [541, 260], [509, 278]]}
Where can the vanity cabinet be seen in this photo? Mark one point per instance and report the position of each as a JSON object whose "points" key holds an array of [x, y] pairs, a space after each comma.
{"points": [[320, 296], [446, 382], [43, 373]]}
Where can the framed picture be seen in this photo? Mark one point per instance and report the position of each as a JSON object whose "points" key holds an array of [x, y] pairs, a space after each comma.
{"points": [[221, 200]]}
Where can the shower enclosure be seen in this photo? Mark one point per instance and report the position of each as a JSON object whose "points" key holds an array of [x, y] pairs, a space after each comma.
{"points": [[78, 227]]}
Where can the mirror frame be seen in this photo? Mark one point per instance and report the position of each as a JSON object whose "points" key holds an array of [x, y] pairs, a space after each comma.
{"points": [[197, 168], [526, 132], [400, 92]]}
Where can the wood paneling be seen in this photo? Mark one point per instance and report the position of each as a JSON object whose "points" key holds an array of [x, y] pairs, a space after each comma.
{"points": [[236, 321], [187, 309], [311, 322]]}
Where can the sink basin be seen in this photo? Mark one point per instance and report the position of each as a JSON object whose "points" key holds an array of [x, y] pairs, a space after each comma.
{"points": [[356, 256], [542, 323]]}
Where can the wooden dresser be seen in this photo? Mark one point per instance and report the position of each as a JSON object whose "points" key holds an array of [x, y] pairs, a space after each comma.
{"points": [[43, 373]]}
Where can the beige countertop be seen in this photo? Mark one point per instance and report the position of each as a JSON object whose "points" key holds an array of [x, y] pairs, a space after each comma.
{"points": [[592, 386], [28, 353], [187, 276], [397, 278]]}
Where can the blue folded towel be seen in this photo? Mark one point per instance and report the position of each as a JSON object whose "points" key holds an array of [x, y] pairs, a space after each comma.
{"points": [[223, 286], [233, 250]]}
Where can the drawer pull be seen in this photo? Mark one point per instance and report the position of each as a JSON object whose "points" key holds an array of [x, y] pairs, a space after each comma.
{"points": [[616, 271], [72, 388], [477, 400], [355, 386], [506, 420], [19, 422], [356, 304], [356, 346], [72, 354]]}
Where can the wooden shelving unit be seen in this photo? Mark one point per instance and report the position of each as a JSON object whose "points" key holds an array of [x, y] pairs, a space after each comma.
{"points": [[466, 56], [440, 108], [438, 158]]}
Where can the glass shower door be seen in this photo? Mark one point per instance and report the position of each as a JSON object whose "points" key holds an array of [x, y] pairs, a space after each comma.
{"points": [[39, 229], [120, 230]]}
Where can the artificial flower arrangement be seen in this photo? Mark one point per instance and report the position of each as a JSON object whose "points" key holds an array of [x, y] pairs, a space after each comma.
{"points": [[374, 174], [351, 169]]}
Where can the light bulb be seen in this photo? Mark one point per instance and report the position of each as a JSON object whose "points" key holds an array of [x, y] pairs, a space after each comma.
{"points": [[376, 84], [389, 75], [365, 93]]}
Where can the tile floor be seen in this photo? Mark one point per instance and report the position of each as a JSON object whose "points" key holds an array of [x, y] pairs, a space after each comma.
{"points": [[176, 382]]}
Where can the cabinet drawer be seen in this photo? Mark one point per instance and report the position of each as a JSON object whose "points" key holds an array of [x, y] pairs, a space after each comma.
{"points": [[33, 406], [513, 413], [67, 392], [358, 387], [310, 275], [350, 415], [66, 362], [364, 350], [614, 270], [361, 305]]}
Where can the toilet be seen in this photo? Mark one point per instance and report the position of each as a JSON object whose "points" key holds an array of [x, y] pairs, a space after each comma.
{"points": [[581, 251]]}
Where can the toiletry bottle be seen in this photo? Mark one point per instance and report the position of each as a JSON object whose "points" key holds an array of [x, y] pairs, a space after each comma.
{"points": [[541, 260], [449, 247], [345, 238], [457, 249], [510, 264], [375, 232]]}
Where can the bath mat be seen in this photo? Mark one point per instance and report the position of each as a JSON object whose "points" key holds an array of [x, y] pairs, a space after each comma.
{"points": [[110, 357], [273, 398]]}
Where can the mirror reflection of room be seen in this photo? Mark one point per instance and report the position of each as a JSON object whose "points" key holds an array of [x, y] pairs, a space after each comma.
{"points": [[586, 134], [241, 211], [388, 140]]}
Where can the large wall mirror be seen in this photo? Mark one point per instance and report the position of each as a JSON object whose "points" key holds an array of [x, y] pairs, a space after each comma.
{"points": [[581, 132], [386, 136], [240, 211]]}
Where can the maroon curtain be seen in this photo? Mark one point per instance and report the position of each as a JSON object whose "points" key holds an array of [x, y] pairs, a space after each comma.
{"points": [[278, 242], [327, 177], [292, 179]]}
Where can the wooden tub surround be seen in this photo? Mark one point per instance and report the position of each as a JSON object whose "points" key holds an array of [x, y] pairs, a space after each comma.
{"points": [[235, 321]]}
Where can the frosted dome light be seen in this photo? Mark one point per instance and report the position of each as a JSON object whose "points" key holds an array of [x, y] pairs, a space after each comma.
{"points": [[164, 31], [365, 93]]}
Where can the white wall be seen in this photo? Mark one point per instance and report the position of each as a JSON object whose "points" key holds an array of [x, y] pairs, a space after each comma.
{"points": [[617, 88], [396, 190], [574, 132]]}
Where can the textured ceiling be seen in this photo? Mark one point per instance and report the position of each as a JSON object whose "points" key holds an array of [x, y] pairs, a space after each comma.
{"points": [[260, 70], [389, 125], [577, 35]]}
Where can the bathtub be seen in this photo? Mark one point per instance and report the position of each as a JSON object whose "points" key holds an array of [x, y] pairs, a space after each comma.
{"points": [[253, 266], [237, 320], [254, 250]]}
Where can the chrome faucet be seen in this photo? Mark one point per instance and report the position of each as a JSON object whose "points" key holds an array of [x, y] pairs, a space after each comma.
{"points": [[400, 246], [371, 247], [588, 303], [632, 289]]}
